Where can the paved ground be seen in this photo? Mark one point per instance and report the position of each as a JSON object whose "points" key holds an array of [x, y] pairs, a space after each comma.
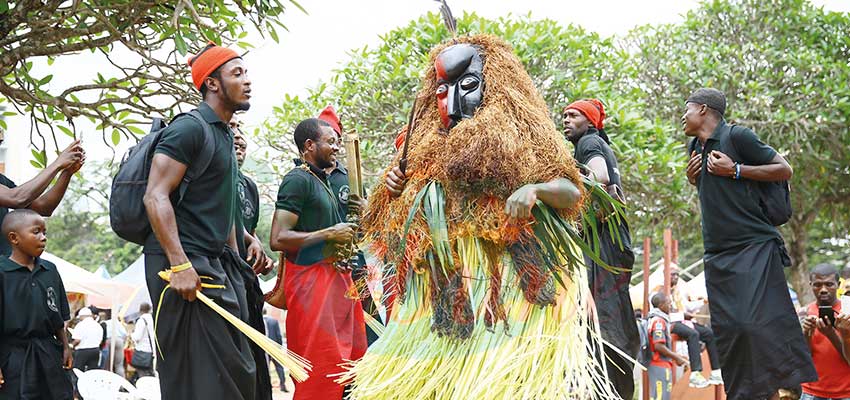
{"points": [[277, 394]]}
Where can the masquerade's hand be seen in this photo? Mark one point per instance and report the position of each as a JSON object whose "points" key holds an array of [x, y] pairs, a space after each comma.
{"points": [[396, 181], [520, 203]]}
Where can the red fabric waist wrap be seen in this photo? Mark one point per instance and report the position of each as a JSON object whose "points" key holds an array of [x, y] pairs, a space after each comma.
{"points": [[323, 324]]}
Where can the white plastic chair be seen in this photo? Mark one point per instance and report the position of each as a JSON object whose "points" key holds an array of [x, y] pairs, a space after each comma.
{"points": [[98, 384], [147, 388]]}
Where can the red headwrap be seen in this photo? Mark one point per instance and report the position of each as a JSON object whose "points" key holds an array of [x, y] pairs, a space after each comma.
{"points": [[329, 115], [205, 62], [592, 109]]}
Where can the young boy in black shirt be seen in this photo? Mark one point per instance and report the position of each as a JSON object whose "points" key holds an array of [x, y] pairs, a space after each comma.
{"points": [[33, 311]]}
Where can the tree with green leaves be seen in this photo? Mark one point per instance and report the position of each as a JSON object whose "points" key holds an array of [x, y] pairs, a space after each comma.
{"points": [[783, 67], [143, 45]]}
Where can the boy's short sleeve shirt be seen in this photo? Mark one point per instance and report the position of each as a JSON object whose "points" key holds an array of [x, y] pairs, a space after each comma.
{"points": [[658, 334], [34, 303]]}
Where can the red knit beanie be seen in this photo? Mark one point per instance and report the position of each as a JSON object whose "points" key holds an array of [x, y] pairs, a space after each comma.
{"points": [[205, 62], [592, 109], [329, 115]]}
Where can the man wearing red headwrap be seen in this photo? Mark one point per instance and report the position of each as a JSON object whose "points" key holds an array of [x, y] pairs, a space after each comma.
{"points": [[583, 123], [200, 355]]}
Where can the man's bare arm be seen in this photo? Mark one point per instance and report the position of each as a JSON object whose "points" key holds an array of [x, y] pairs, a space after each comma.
{"points": [[558, 193], [283, 238], [777, 170], [599, 170], [165, 175], [45, 204]]}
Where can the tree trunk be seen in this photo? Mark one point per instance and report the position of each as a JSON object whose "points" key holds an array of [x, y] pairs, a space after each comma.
{"points": [[799, 270]]}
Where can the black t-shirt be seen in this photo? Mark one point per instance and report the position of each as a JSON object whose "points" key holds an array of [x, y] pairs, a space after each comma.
{"points": [[5, 248], [32, 304], [731, 216], [592, 145], [249, 202], [308, 195], [208, 210]]}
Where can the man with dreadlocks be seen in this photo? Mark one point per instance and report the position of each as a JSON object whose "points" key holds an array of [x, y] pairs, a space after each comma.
{"points": [[583, 127], [491, 285]]}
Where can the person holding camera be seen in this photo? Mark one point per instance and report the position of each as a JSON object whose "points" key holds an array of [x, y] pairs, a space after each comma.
{"points": [[828, 334]]}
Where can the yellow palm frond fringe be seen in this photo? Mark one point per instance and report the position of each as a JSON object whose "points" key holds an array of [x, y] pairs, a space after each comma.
{"points": [[297, 366], [373, 323], [538, 353]]}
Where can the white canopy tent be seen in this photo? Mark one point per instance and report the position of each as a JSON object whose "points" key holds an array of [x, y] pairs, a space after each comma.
{"points": [[99, 292], [134, 276]]}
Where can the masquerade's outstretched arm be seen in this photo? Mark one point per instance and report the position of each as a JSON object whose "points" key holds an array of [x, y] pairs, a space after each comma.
{"points": [[558, 193]]}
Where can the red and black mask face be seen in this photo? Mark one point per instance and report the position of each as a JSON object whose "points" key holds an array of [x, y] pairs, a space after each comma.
{"points": [[460, 83]]}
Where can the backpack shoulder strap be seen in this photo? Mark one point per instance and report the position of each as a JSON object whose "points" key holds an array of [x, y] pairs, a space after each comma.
{"points": [[732, 129], [199, 165]]}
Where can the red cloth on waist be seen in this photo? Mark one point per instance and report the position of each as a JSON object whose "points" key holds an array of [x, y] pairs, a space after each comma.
{"points": [[323, 325]]}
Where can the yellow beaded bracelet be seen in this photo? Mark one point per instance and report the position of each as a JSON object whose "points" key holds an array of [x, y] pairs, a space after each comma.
{"points": [[181, 267]]}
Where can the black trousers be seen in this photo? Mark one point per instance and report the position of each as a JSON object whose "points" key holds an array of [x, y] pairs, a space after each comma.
{"points": [[281, 374], [32, 369], [86, 359], [693, 337], [202, 356], [255, 301]]}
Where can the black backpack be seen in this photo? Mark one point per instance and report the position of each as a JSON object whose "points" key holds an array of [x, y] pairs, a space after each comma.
{"points": [[774, 197], [127, 214]]}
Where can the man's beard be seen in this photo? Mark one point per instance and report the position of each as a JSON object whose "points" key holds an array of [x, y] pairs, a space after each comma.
{"points": [[235, 106], [324, 163]]}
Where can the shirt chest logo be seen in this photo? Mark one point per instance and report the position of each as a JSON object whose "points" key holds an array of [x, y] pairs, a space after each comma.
{"points": [[344, 192], [51, 300]]}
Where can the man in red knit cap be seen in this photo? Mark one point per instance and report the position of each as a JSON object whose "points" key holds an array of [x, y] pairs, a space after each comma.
{"points": [[200, 356], [583, 126]]}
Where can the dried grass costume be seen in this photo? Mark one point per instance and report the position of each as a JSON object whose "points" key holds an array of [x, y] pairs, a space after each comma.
{"points": [[486, 307]]}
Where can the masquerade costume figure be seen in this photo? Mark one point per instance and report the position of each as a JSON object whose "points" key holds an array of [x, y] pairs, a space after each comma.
{"points": [[487, 306]]}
